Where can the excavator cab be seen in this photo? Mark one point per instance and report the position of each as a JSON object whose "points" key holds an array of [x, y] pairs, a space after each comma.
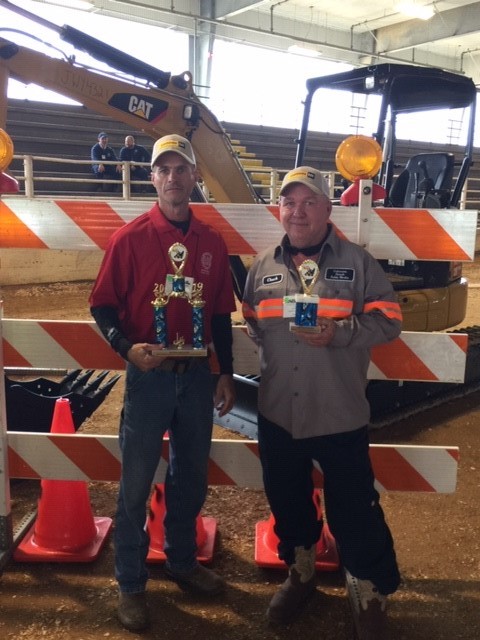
{"points": [[433, 294]]}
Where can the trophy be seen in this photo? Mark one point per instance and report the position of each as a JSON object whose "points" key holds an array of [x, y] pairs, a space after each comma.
{"points": [[306, 303], [178, 286]]}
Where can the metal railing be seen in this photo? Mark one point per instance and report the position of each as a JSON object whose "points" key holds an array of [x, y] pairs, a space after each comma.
{"points": [[265, 180], [32, 176]]}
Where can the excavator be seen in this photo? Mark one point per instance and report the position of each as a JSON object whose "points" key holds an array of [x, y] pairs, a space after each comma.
{"points": [[143, 97], [432, 180], [433, 294]]}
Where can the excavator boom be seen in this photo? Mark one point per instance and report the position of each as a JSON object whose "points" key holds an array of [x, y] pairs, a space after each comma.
{"points": [[148, 100]]}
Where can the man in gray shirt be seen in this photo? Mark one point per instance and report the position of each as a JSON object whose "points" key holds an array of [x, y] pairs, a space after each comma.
{"points": [[315, 304]]}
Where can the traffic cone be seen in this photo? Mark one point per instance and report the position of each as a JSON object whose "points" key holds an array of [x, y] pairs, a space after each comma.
{"points": [[206, 530], [65, 529], [266, 542]]}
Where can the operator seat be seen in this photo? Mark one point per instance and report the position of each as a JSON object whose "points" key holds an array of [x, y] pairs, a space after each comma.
{"points": [[426, 182]]}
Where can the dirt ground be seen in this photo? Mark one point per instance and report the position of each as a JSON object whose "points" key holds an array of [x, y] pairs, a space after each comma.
{"points": [[437, 540]]}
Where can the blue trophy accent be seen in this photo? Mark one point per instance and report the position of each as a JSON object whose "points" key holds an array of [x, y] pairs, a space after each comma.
{"points": [[305, 311], [197, 316], [160, 314], [178, 286]]}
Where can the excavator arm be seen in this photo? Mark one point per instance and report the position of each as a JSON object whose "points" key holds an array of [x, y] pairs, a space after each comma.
{"points": [[143, 107]]}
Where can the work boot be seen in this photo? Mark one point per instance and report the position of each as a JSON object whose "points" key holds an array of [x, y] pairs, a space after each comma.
{"points": [[287, 603], [368, 608], [199, 580], [132, 611]]}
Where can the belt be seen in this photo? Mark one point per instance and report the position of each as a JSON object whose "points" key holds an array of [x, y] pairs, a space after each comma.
{"points": [[178, 365]]}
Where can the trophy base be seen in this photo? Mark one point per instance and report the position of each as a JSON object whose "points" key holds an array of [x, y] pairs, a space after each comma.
{"points": [[298, 328], [187, 351]]}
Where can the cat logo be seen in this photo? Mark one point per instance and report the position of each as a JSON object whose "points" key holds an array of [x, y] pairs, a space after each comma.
{"points": [[140, 107], [146, 108]]}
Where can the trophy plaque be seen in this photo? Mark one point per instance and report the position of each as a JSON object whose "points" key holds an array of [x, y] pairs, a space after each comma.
{"points": [[178, 286], [306, 303]]}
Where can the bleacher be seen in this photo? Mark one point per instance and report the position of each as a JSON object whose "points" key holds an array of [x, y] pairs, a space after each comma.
{"points": [[69, 131]]}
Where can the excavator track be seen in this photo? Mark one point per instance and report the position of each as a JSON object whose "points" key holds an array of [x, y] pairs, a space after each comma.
{"points": [[390, 401]]}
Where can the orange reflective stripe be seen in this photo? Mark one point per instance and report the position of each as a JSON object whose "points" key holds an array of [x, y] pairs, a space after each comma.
{"points": [[327, 307], [389, 309], [334, 308], [270, 308]]}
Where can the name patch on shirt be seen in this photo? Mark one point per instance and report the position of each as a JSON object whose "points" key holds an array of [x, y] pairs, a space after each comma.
{"points": [[340, 273], [273, 279]]}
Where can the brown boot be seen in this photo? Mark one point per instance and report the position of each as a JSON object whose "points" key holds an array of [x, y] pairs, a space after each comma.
{"points": [[297, 588], [368, 609]]}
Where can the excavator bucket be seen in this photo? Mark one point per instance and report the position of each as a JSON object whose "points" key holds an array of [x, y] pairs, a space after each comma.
{"points": [[30, 404]]}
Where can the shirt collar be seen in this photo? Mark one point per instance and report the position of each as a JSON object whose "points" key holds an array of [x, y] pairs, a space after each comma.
{"points": [[330, 239]]}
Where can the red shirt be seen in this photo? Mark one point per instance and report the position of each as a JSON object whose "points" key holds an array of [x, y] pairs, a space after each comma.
{"points": [[136, 259]]}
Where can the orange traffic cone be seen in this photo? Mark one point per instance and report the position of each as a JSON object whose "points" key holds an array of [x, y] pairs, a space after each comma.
{"points": [[206, 530], [266, 542], [65, 529]]}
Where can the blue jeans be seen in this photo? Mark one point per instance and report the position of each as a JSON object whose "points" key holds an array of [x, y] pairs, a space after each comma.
{"points": [[157, 402], [352, 506]]}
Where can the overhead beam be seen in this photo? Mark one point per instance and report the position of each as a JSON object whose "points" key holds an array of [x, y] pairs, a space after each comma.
{"points": [[412, 33], [228, 8], [257, 29]]}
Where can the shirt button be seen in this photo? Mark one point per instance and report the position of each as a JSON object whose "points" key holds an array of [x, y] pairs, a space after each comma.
{"points": [[295, 368], [295, 395]]}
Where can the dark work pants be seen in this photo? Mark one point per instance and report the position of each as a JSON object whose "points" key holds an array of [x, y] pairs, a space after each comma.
{"points": [[352, 507]]}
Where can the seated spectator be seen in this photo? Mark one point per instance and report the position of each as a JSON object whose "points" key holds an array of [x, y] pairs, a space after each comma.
{"points": [[133, 153], [101, 153]]}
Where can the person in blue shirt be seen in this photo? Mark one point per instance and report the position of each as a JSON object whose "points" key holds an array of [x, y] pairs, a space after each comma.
{"points": [[133, 153], [102, 154]]}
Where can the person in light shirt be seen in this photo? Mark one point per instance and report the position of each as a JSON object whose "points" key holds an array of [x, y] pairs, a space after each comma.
{"points": [[314, 355]]}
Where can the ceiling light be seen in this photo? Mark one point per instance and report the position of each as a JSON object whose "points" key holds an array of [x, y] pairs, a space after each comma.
{"points": [[413, 10], [79, 5], [303, 51]]}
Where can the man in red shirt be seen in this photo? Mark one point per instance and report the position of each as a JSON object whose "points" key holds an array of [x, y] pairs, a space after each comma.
{"points": [[174, 395]]}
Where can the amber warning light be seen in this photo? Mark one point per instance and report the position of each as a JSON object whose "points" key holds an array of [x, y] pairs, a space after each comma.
{"points": [[359, 158], [8, 184]]}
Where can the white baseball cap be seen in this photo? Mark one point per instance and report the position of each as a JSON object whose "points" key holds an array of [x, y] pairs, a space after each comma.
{"points": [[308, 176], [174, 143]]}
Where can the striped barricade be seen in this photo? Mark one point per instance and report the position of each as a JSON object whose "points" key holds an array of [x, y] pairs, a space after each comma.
{"points": [[232, 462], [247, 228], [51, 344]]}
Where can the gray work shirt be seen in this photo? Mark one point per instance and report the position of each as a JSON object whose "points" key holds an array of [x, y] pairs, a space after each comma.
{"points": [[314, 391]]}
